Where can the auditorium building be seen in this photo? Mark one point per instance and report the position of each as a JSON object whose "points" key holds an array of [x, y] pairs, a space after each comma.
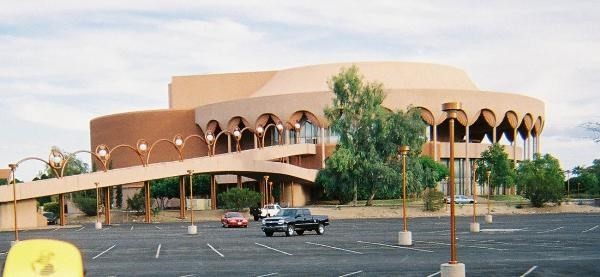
{"points": [[215, 114]]}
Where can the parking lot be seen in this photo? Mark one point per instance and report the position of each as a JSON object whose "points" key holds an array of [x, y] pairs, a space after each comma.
{"points": [[532, 245]]}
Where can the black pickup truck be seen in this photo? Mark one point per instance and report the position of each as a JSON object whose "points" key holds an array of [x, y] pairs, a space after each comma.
{"points": [[294, 220]]}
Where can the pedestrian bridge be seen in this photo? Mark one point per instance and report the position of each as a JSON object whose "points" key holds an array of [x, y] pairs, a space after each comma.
{"points": [[258, 161]]}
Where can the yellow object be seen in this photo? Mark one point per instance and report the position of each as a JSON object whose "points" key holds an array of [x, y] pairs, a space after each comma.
{"points": [[43, 257]]}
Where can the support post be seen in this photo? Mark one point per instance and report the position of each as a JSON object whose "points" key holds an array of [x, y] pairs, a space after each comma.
{"points": [[147, 217], [61, 209], [181, 197], [107, 206]]}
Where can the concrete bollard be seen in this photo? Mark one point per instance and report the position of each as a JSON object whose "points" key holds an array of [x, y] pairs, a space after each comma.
{"points": [[453, 270], [474, 227], [192, 230], [405, 238], [98, 225], [488, 218]]}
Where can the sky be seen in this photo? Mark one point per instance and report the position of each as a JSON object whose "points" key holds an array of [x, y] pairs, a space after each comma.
{"points": [[63, 63]]}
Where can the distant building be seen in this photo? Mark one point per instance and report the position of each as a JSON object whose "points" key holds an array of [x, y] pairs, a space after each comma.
{"points": [[256, 103]]}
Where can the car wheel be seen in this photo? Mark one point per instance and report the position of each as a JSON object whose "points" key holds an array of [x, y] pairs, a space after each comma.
{"points": [[224, 226], [321, 229], [268, 233], [289, 230], [300, 232]]}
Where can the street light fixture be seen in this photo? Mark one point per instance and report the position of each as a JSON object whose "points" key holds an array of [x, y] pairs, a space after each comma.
{"points": [[297, 128], [13, 168], [209, 139], [259, 131], [453, 267], [488, 216], [568, 184], [238, 135], [265, 190], [192, 229], [474, 228], [279, 130], [405, 236]]}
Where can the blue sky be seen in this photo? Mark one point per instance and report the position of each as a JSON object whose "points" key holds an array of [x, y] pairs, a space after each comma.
{"points": [[63, 63]]}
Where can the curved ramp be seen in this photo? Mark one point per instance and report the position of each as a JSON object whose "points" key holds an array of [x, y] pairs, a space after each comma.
{"points": [[254, 160]]}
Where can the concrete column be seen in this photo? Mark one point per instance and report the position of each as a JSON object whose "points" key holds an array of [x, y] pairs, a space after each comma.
{"points": [[239, 181], [468, 162], [181, 196], [515, 146], [255, 141], [292, 189], [322, 147], [494, 140], [107, 206], [147, 218], [213, 192], [228, 143], [537, 145], [61, 209], [435, 157]]}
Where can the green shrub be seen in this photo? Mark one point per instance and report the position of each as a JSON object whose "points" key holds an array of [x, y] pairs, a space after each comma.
{"points": [[51, 207], [86, 204], [137, 202], [433, 200], [237, 199]]}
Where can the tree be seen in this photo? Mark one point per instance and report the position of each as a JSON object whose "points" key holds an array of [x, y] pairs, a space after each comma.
{"points": [[494, 159], [369, 138], [164, 189], [593, 127], [237, 198], [434, 171], [541, 180], [75, 166]]}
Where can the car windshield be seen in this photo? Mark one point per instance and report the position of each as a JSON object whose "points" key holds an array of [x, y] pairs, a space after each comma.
{"points": [[286, 212], [230, 215], [270, 207]]}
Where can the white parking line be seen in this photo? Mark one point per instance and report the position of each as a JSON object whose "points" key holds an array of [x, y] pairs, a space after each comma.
{"points": [[591, 229], [273, 249], [270, 274], [471, 246], [2, 253], [190, 275], [332, 247], [548, 231], [80, 229], [131, 228], [500, 230], [529, 271], [434, 274], [55, 229], [157, 227], [213, 249], [104, 252], [158, 251], [104, 229], [395, 246], [351, 273], [431, 232]]}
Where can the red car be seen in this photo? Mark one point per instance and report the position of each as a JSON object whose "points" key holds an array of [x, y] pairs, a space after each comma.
{"points": [[234, 219]]}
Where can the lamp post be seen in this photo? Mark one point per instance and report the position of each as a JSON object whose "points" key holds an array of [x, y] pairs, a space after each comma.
{"points": [[271, 193], [98, 223], [405, 236], [259, 131], [453, 267], [279, 127], [209, 140], [474, 228], [488, 216], [297, 128], [192, 229], [568, 184], [265, 190]]}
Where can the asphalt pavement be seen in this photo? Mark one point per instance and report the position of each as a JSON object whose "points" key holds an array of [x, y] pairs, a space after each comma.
{"points": [[518, 245]]}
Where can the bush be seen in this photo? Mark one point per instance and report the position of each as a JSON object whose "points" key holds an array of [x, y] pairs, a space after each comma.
{"points": [[86, 204], [433, 200], [137, 202], [51, 207], [237, 199]]}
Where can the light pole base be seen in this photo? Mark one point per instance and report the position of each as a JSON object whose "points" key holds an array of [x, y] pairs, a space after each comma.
{"points": [[474, 227], [405, 238], [488, 218], [192, 230], [453, 270], [98, 225], [13, 242]]}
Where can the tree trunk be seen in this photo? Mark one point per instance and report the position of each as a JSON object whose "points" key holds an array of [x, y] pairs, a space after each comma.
{"points": [[355, 195], [370, 200]]}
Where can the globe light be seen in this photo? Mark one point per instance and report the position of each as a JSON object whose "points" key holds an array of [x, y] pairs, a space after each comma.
{"points": [[102, 153], [279, 126], [57, 160], [297, 125], [143, 146], [178, 141], [237, 133], [259, 129], [210, 137]]}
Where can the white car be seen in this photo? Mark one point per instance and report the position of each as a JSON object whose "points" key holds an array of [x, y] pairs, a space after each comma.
{"points": [[270, 210], [460, 199]]}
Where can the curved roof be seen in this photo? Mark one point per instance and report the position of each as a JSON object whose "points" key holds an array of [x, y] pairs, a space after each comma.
{"points": [[394, 75]]}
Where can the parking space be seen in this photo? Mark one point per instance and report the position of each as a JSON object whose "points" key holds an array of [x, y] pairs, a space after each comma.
{"points": [[533, 245]]}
